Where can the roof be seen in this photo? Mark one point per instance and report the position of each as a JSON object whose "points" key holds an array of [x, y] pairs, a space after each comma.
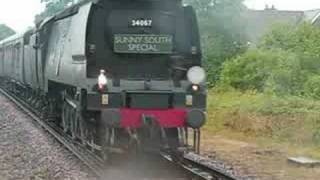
{"points": [[260, 21], [312, 15], [11, 38], [16, 36]]}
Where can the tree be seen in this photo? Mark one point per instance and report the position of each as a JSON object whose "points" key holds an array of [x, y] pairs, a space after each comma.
{"points": [[222, 32], [286, 62], [52, 7], [5, 31]]}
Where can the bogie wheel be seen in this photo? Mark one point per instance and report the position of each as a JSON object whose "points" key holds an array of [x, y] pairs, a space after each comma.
{"points": [[65, 117], [83, 130], [105, 144], [73, 122]]}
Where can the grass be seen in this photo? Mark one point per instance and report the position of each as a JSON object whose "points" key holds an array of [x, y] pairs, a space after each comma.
{"points": [[266, 119]]}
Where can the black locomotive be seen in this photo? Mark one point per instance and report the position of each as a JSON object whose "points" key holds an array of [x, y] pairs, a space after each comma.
{"points": [[115, 75]]}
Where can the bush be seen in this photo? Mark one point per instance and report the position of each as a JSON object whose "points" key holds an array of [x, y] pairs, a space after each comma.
{"points": [[274, 71], [286, 77], [288, 119], [244, 72], [287, 62], [312, 87], [279, 83], [302, 39], [280, 36]]}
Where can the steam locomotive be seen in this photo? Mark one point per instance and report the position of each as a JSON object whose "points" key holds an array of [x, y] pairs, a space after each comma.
{"points": [[114, 75]]}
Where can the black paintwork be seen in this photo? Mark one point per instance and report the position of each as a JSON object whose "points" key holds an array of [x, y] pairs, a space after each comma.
{"points": [[62, 57]]}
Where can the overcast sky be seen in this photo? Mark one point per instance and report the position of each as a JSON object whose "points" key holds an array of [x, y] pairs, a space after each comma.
{"points": [[284, 4], [19, 14]]}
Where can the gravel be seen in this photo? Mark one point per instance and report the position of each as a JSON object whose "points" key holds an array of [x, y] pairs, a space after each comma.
{"points": [[29, 152]]}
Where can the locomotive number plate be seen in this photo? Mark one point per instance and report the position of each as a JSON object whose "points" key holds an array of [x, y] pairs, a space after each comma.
{"points": [[143, 43], [141, 23]]}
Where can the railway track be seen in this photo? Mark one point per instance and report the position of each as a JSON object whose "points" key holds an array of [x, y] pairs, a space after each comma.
{"points": [[199, 167], [194, 165], [91, 160]]}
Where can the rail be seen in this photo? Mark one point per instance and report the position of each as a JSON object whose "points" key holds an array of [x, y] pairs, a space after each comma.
{"points": [[91, 160], [199, 167]]}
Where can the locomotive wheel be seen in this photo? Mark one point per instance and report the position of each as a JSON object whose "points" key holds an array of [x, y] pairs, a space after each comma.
{"points": [[76, 124], [83, 130], [173, 138], [65, 117], [72, 120], [91, 141], [106, 143], [44, 111]]}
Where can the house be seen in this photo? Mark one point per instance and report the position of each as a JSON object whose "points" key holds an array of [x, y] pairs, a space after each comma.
{"points": [[258, 22], [313, 16]]}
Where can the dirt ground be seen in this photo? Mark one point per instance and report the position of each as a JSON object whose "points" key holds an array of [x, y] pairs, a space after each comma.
{"points": [[253, 161]]}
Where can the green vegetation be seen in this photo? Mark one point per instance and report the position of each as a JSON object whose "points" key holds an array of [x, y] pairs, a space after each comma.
{"points": [[272, 91], [221, 26], [285, 63], [222, 32], [5, 31], [262, 70], [282, 119], [52, 7]]}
